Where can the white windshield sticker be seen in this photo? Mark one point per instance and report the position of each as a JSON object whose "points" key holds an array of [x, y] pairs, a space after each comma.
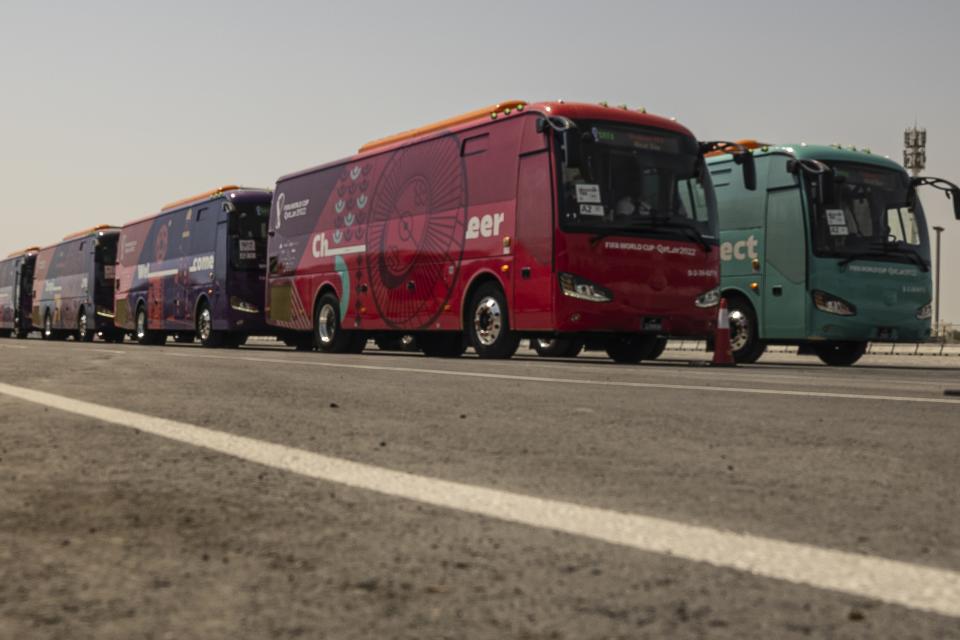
{"points": [[839, 230], [588, 193], [835, 218], [248, 245], [109, 271], [591, 210]]}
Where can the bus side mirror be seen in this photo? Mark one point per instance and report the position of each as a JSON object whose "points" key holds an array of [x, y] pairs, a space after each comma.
{"points": [[954, 194], [749, 168]]}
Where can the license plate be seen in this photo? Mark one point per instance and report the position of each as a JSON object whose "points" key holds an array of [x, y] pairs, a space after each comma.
{"points": [[885, 333], [653, 324]]}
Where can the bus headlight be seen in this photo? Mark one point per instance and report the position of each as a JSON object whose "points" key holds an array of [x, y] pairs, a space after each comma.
{"points": [[582, 289], [924, 312], [240, 305], [709, 299], [833, 304]]}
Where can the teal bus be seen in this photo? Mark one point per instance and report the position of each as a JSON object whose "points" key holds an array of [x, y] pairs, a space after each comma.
{"points": [[830, 252]]}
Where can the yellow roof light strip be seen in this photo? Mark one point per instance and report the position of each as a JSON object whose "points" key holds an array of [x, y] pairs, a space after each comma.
{"points": [[87, 232], [200, 196], [487, 112], [24, 252]]}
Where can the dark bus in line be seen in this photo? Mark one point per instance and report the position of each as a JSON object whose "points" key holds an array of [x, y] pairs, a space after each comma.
{"points": [[196, 270], [16, 293], [73, 287]]}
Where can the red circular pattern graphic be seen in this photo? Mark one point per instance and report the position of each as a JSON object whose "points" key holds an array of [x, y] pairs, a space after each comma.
{"points": [[415, 233]]}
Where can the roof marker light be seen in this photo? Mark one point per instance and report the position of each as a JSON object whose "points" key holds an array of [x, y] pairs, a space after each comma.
{"points": [[491, 111]]}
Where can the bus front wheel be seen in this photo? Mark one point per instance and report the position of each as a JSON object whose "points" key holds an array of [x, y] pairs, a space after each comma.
{"points": [[745, 340], [209, 337], [840, 354], [488, 324]]}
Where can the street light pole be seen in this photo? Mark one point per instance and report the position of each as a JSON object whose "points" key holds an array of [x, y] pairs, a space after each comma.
{"points": [[936, 286]]}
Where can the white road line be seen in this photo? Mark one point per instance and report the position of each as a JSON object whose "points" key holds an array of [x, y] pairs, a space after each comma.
{"points": [[895, 582], [577, 381], [12, 346]]}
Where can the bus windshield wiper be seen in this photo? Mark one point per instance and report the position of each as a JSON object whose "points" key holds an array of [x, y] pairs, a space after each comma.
{"points": [[901, 248]]}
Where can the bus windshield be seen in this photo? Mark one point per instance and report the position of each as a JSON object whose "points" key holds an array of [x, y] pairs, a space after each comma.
{"points": [[866, 211], [632, 180], [248, 237]]}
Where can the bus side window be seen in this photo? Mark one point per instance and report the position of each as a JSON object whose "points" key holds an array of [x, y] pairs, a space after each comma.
{"points": [[203, 236]]}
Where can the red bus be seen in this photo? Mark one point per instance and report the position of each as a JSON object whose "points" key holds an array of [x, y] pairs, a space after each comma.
{"points": [[547, 220]]}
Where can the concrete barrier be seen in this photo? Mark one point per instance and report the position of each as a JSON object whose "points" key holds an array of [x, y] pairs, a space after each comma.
{"points": [[876, 349]]}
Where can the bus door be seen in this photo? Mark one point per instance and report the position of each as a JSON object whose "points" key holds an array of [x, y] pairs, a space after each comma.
{"points": [[532, 245], [784, 265]]}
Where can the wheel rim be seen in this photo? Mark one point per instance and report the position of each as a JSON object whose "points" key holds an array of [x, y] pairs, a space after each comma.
{"points": [[141, 325], [47, 327], [740, 330], [206, 325], [327, 324], [488, 321], [82, 325]]}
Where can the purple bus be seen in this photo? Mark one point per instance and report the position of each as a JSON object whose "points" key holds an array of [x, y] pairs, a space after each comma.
{"points": [[196, 270], [73, 287], [16, 293]]}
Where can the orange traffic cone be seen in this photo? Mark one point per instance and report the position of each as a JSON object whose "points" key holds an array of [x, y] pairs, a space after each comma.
{"points": [[722, 353]]}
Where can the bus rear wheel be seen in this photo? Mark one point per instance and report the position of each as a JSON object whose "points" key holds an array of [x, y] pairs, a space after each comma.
{"points": [[629, 348], [745, 341], [329, 335], [557, 347], [209, 337], [840, 354], [442, 344], [84, 334], [488, 324], [143, 334]]}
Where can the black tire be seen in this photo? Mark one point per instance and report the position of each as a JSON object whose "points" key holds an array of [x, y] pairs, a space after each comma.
{"points": [[488, 323], [557, 347], [142, 332], [208, 336], [442, 344], [657, 347], [328, 334], [629, 348], [84, 334], [840, 354], [745, 342]]}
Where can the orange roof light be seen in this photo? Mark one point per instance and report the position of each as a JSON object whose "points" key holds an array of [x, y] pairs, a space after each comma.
{"points": [[86, 232], [201, 196], [486, 112], [23, 252], [749, 143]]}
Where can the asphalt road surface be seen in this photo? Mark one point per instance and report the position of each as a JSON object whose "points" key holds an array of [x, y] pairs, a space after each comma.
{"points": [[179, 492]]}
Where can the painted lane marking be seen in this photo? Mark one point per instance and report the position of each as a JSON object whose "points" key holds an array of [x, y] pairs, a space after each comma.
{"points": [[12, 346], [576, 381], [892, 581]]}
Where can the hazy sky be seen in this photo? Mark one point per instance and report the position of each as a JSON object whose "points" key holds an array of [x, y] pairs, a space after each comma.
{"points": [[108, 110]]}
